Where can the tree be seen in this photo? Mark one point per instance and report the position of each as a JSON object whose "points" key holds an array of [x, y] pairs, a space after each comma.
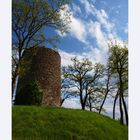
{"points": [[29, 18], [114, 104], [65, 94], [118, 59], [82, 75], [31, 94], [94, 99], [67, 90], [107, 87], [93, 87]]}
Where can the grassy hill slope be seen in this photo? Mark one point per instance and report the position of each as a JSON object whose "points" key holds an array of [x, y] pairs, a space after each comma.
{"points": [[47, 123]]}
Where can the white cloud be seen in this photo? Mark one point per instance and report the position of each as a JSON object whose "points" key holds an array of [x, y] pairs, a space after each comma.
{"points": [[96, 32], [101, 40], [66, 58], [104, 20], [76, 9], [99, 55], [76, 26], [104, 14], [78, 29], [94, 55], [101, 15], [82, 30], [72, 103], [88, 6]]}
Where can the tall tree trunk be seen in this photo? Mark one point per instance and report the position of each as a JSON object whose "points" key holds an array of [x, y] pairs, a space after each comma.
{"points": [[103, 101], [81, 95], [90, 103], [120, 96], [114, 105], [83, 106], [121, 110], [62, 101], [14, 77], [82, 102], [13, 84], [90, 107], [107, 89], [125, 110]]}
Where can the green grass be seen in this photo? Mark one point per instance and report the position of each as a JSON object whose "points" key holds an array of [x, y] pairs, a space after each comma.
{"points": [[47, 123]]}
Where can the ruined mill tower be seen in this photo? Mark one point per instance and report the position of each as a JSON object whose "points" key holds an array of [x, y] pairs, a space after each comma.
{"points": [[42, 65]]}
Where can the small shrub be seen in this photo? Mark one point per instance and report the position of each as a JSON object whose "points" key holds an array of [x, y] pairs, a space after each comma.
{"points": [[31, 94]]}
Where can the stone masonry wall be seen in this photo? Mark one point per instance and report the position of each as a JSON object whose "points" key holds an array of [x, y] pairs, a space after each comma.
{"points": [[43, 65]]}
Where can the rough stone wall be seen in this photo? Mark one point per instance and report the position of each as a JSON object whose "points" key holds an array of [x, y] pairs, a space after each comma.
{"points": [[43, 65]]}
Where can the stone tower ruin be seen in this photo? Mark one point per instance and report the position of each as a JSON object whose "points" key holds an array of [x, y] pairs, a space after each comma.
{"points": [[43, 65]]}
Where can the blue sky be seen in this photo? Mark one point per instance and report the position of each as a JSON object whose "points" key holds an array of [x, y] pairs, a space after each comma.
{"points": [[93, 24]]}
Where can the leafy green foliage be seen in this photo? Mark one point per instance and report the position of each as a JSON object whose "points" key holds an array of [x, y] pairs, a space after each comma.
{"points": [[31, 94], [118, 60], [82, 76], [29, 20]]}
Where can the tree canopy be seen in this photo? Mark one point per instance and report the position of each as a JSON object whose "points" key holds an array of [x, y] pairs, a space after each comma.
{"points": [[29, 19]]}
